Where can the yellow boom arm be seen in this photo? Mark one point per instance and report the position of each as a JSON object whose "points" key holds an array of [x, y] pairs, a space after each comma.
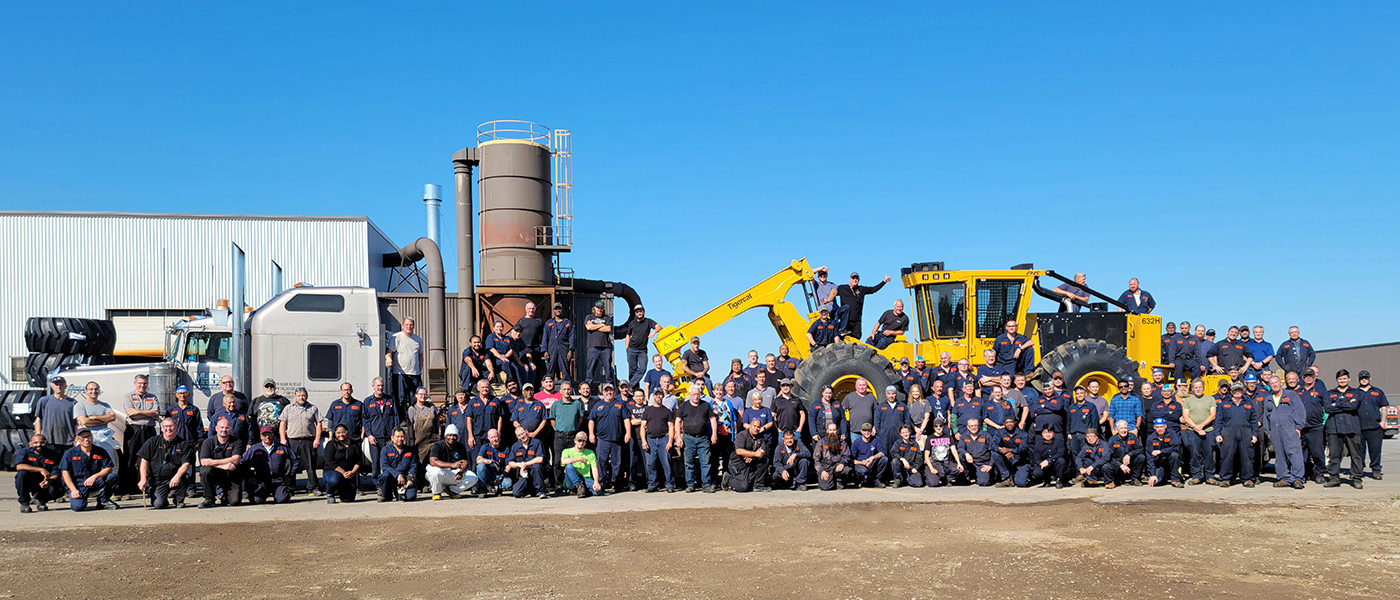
{"points": [[790, 324]]}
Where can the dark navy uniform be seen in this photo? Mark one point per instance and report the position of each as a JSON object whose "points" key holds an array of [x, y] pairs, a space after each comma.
{"points": [[610, 427], [350, 414], [381, 416], [742, 383], [1235, 425], [1314, 442], [1185, 356], [1052, 453], [478, 359], [164, 458], [795, 461], [1094, 456], [558, 341], [1295, 357], [269, 471], [964, 410], [1369, 411], [484, 415], [1230, 354], [907, 450], [788, 365], [395, 462], [1081, 417], [980, 447], [1343, 429], [1120, 447], [863, 450], [1167, 464], [888, 419], [239, 424], [81, 465], [27, 482], [189, 422], [1049, 411], [1166, 408], [1015, 468], [1006, 346], [491, 475], [531, 479], [817, 419], [993, 371]]}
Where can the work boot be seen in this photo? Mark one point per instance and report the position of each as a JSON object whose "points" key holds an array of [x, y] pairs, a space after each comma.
{"points": [[1212, 481], [801, 487], [1110, 485], [24, 509], [207, 503], [880, 484], [437, 496], [43, 506], [1356, 482], [1176, 484], [1249, 483], [1331, 483], [1376, 475], [1194, 481], [1059, 485], [1298, 485], [1319, 480], [1224, 484], [709, 489], [1281, 484], [690, 489]]}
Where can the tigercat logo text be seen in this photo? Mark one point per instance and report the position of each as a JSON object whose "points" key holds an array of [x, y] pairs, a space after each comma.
{"points": [[740, 302]]}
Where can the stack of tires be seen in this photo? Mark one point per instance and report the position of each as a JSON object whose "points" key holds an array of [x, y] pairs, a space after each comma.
{"points": [[61, 342], [15, 428]]}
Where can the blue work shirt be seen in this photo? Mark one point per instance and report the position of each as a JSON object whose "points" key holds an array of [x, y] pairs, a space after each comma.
{"points": [[993, 371], [240, 425], [967, 409], [1092, 455], [457, 415], [381, 417], [889, 418], [266, 462], [610, 420], [1169, 409], [980, 446], [1135, 306], [862, 449], [499, 343], [484, 414], [558, 335], [349, 414], [1120, 446], [46, 459], [83, 465], [1369, 410], [529, 414], [498, 456], [997, 412], [1082, 416], [397, 462], [526, 452], [1015, 440], [1295, 357], [1229, 415], [1165, 443], [189, 421], [1006, 346]]}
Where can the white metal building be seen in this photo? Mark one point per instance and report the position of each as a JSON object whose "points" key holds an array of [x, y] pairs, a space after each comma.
{"points": [[146, 270]]}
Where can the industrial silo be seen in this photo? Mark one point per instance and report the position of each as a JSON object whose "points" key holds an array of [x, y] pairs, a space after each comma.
{"points": [[515, 209]]}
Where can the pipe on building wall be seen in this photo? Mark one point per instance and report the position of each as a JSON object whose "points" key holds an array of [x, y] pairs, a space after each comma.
{"points": [[420, 249], [462, 163]]}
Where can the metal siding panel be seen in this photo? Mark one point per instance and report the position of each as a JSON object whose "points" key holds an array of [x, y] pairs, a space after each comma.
{"points": [[1383, 361], [89, 264], [416, 306]]}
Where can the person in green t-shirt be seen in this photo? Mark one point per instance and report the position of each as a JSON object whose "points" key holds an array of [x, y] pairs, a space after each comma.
{"points": [[581, 468]]}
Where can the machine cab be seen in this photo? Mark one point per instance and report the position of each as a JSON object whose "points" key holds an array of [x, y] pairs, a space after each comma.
{"points": [[963, 312]]}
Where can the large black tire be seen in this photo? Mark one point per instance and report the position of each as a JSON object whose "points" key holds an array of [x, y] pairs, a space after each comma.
{"points": [[40, 364], [831, 363], [62, 335], [1081, 357]]}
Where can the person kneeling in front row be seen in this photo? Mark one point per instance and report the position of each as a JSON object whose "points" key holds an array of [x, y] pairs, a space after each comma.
{"points": [[342, 466], [581, 468], [448, 466]]}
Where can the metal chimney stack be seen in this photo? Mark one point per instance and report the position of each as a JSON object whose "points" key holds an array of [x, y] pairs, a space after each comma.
{"points": [[432, 197]]}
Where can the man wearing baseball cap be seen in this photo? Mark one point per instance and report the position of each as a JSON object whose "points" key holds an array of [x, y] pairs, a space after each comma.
{"points": [[852, 300], [270, 469], [639, 329], [88, 470], [1372, 399], [558, 345], [1163, 454], [600, 345]]}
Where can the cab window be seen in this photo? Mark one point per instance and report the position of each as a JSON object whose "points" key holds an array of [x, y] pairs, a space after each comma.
{"points": [[942, 310], [996, 304], [208, 346]]}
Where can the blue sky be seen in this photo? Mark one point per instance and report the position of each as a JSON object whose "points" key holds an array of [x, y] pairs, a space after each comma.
{"points": [[1233, 158]]}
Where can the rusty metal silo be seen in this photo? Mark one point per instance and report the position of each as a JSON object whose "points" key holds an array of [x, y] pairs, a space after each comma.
{"points": [[515, 207]]}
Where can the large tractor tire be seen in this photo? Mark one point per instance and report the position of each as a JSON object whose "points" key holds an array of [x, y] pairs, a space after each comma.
{"points": [[1088, 360], [839, 365]]}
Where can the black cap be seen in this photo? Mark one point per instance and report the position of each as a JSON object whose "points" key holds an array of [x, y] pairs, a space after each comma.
{"points": [[599, 304], [1363, 375], [855, 275], [1210, 332]]}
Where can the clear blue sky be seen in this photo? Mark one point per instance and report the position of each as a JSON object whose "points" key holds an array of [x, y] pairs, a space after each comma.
{"points": [[1240, 160]]}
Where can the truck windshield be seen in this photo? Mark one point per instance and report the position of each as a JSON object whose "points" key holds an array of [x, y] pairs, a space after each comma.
{"points": [[208, 346]]}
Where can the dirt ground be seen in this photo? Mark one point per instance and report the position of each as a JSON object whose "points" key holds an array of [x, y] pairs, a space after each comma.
{"points": [[1066, 549]]}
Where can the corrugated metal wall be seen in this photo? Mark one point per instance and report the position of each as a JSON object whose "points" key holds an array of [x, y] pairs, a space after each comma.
{"points": [[1382, 360], [416, 306], [81, 265]]}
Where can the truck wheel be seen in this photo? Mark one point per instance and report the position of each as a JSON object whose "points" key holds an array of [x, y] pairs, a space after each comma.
{"points": [[1088, 360], [839, 365]]}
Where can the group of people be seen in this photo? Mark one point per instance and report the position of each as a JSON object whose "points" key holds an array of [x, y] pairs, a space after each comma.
{"points": [[946, 424]]}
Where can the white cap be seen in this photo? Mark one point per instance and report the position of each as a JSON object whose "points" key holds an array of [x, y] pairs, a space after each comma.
{"points": [[451, 430]]}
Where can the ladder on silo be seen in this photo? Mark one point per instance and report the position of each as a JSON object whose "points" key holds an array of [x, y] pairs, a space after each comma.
{"points": [[560, 237]]}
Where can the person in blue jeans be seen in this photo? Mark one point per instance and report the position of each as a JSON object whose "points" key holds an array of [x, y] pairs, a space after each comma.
{"points": [[695, 418], [658, 429], [581, 468]]}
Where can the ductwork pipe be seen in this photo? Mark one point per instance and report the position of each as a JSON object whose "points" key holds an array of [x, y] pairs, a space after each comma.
{"points": [[420, 249], [616, 288]]}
